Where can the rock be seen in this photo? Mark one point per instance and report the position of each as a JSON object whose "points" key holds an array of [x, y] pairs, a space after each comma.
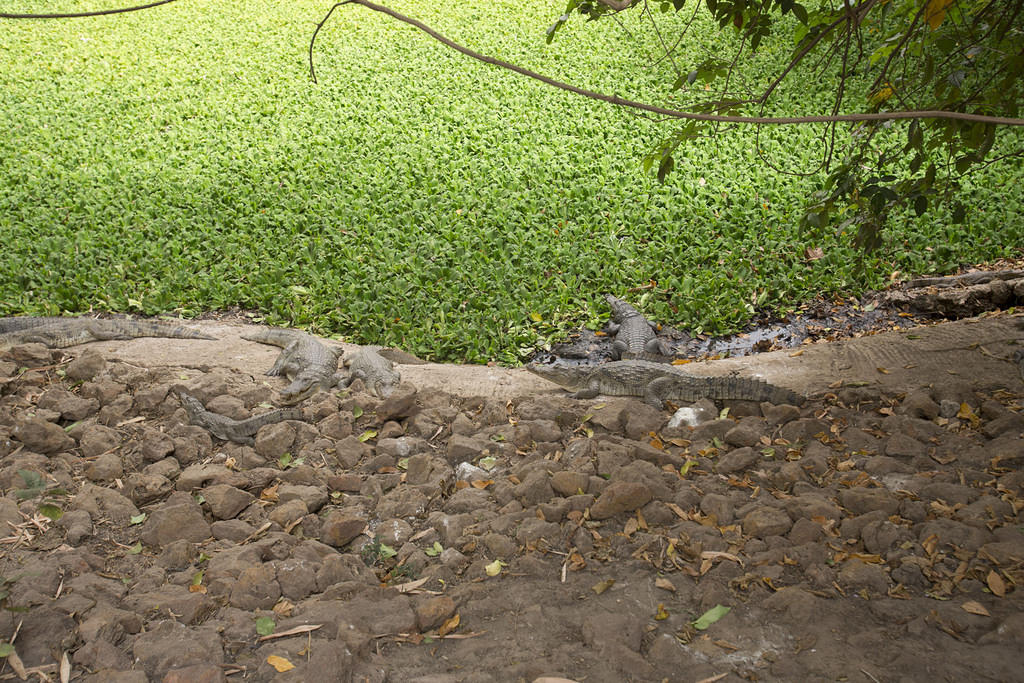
{"points": [[172, 645], [949, 532], [535, 488], [351, 483], [184, 605], [97, 439], [862, 500], [747, 432], [903, 446], [145, 488], [618, 497], [89, 364], [642, 420], [465, 448], [231, 530], [315, 497], [78, 526], [764, 521], [920, 404], [400, 404], [100, 655], [156, 446], [177, 555], [289, 512], [68, 405], [180, 517], [339, 528], [106, 467], [226, 501], [855, 575], [737, 460], [274, 440], [336, 426], [778, 415], [44, 630], [41, 436], [569, 483], [297, 578], [256, 588], [719, 506], [104, 503], [393, 532], [432, 612], [196, 673]]}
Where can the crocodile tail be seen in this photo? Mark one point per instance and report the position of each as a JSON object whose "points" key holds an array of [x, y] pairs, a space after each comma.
{"points": [[648, 356], [276, 336], [753, 389], [159, 328]]}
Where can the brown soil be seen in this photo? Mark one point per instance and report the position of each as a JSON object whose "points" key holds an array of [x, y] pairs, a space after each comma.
{"points": [[873, 534]]}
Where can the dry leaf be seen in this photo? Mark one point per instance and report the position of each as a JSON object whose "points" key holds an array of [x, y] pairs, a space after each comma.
{"points": [[814, 253], [269, 494], [482, 483], [602, 586], [65, 668], [975, 608], [280, 663], [664, 584], [449, 626], [304, 628], [996, 584], [796, 353], [630, 528], [662, 613], [197, 588], [883, 371]]}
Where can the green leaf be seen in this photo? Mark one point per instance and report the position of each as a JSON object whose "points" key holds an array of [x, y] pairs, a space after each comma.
{"points": [[800, 13], [357, 411], [138, 519], [711, 616], [51, 511], [6, 649], [284, 460], [265, 626], [135, 549], [387, 551], [367, 435], [920, 205], [32, 479], [487, 462]]}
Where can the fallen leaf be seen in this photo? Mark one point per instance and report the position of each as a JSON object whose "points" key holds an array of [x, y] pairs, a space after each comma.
{"points": [[996, 584], [265, 626], [494, 568], [883, 371], [975, 608], [65, 668], [448, 626], [711, 616], [814, 253], [796, 353], [602, 586], [630, 528], [305, 628], [664, 584], [482, 483], [280, 663], [662, 613]]}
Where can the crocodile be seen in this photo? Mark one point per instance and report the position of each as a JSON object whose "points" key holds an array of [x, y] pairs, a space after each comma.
{"points": [[239, 431], [634, 334], [23, 322], [59, 333], [377, 372], [657, 383], [309, 364]]}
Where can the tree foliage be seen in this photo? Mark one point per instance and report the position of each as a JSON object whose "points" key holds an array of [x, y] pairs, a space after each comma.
{"points": [[922, 56]]}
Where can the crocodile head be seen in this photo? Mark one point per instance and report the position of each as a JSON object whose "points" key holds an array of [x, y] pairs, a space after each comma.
{"points": [[565, 376]]}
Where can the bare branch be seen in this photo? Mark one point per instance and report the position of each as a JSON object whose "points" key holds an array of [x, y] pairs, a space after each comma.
{"points": [[622, 102], [76, 15]]}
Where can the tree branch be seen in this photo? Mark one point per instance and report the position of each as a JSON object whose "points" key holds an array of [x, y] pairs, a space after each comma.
{"points": [[622, 102], [76, 15]]}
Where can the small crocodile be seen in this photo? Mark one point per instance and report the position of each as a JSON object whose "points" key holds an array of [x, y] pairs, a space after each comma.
{"points": [[239, 431], [634, 334], [309, 364], [658, 382], [377, 372], [59, 333], [23, 322]]}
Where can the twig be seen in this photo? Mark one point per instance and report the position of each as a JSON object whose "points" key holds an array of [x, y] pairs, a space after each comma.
{"points": [[622, 102], [76, 15]]}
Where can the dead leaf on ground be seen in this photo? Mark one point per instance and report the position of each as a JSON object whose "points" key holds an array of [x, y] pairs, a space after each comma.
{"points": [[664, 584], [602, 586], [996, 584], [448, 626], [280, 663], [975, 607]]}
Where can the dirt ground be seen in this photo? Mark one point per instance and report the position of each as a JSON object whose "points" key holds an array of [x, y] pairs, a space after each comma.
{"points": [[479, 525]]}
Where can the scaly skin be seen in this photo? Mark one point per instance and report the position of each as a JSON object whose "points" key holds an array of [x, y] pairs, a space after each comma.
{"points": [[634, 334], [60, 333], [376, 372], [305, 361], [657, 383], [239, 431], [23, 322]]}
